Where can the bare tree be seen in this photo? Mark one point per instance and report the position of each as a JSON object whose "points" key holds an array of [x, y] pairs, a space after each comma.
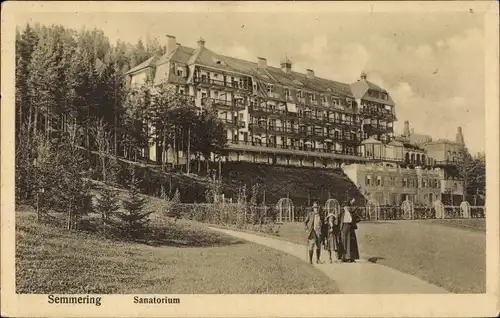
{"points": [[102, 137]]}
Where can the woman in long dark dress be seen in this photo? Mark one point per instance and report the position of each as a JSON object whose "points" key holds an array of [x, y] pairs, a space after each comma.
{"points": [[348, 225]]}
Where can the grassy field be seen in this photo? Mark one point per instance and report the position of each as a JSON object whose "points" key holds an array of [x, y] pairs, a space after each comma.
{"points": [[188, 259], [443, 252]]}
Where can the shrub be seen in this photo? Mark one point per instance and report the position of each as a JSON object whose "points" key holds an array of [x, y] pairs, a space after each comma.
{"points": [[134, 219]]}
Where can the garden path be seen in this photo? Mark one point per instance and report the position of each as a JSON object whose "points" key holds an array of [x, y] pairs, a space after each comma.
{"points": [[362, 277]]}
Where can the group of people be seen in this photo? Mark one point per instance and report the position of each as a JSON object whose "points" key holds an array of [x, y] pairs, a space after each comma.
{"points": [[335, 232]]}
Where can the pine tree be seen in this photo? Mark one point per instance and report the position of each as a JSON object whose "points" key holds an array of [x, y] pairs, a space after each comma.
{"points": [[135, 219], [107, 205]]}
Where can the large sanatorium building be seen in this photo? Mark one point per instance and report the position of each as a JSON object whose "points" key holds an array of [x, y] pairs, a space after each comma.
{"points": [[277, 115]]}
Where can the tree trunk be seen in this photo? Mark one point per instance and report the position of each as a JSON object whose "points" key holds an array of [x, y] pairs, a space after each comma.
{"points": [[199, 165], [30, 115], [103, 163], [188, 159], [70, 216], [164, 153], [35, 124], [115, 137]]}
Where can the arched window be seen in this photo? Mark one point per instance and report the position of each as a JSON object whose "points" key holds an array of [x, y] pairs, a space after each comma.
{"points": [[423, 160], [412, 158], [407, 157]]}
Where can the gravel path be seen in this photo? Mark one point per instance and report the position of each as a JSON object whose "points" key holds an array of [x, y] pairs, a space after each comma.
{"points": [[362, 277]]}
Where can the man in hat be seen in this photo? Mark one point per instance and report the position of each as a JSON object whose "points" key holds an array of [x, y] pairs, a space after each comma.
{"points": [[348, 224], [314, 228]]}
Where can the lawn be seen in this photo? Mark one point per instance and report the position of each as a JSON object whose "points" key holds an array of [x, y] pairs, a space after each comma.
{"points": [[443, 252], [188, 259]]}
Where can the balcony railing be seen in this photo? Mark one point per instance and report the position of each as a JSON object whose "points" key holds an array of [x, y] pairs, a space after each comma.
{"points": [[233, 123], [268, 110], [226, 84], [275, 95], [293, 148], [445, 163]]}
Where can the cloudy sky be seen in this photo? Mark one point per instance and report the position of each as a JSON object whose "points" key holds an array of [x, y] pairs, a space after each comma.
{"points": [[431, 63]]}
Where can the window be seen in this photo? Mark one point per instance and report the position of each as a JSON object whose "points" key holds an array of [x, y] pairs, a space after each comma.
{"points": [[323, 98], [379, 181], [335, 101], [287, 93], [424, 183], [180, 73], [349, 102], [269, 88], [299, 93], [405, 182], [241, 116], [368, 180], [313, 97], [181, 90]]}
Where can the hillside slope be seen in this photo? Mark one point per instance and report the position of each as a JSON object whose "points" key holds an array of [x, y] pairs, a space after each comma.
{"points": [[302, 185], [298, 183]]}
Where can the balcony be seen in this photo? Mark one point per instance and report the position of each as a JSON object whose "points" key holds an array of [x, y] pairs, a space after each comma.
{"points": [[445, 163], [267, 111], [232, 123], [256, 128], [296, 150], [378, 128], [210, 82], [218, 103], [276, 96], [378, 113], [308, 116]]}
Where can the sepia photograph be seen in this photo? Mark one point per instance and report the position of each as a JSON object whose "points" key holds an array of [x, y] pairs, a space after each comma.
{"points": [[173, 152]]}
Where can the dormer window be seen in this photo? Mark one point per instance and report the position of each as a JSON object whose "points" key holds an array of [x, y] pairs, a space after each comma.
{"points": [[323, 98], [269, 88], [313, 97], [349, 102], [299, 93]]}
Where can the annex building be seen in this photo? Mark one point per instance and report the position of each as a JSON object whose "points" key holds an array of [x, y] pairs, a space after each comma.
{"points": [[279, 115]]}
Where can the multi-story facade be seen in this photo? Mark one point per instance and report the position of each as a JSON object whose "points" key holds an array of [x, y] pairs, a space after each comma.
{"points": [[276, 115], [391, 185]]}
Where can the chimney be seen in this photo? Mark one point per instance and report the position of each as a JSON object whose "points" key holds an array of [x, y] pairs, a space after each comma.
{"points": [[201, 43], [310, 73], [459, 139], [406, 131], [171, 44], [262, 62], [363, 76]]}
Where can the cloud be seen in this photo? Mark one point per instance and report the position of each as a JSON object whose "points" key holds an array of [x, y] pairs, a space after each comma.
{"points": [[316, 49]]}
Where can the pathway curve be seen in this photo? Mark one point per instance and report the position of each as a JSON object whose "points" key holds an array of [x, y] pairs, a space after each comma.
{"points": [[362, 277]]}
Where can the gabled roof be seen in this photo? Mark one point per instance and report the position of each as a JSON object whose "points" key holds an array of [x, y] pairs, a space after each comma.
{"points": [[370, 141], [147, 63], [270, 74], [362, 86], [180, 54]]}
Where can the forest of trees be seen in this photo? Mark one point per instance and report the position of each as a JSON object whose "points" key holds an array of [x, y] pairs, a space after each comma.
{"points": [[72, 99]]}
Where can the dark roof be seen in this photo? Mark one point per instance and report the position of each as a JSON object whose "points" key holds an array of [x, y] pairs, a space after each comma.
{"points": [[147, 63], [411, 146], [360, 90], [270, 74]]}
